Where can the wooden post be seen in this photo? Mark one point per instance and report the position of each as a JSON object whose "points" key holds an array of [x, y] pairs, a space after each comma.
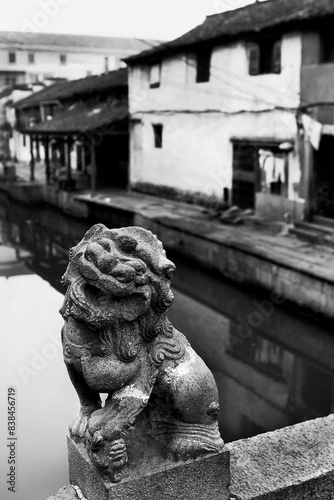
{"points": [[32, 159], [93, 167], [68, 159], [38, 156], [42, 112], [47, 160], [50, 148], [286, 175], [83, 158], [308, 178]]}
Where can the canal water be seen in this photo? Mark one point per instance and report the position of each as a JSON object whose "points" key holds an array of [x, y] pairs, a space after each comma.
{"points": [[273, 366]]}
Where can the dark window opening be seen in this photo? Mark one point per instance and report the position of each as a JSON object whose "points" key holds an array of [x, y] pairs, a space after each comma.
{"points": [[265, 57], [327, 48], [10, 80], [203, 66], [155, 76], [24, 140], [63, 59], [12, 57], [49, 111], [31, 58], [157, 130]]}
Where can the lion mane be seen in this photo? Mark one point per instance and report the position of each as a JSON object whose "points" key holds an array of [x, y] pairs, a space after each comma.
{"points": [[117, 339], [118, 274]]}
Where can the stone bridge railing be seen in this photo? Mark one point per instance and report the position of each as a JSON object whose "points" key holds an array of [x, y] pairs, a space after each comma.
{"points": [[293, 463]]}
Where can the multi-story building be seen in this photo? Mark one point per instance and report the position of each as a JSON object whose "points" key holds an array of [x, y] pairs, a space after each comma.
{"points": [[219, 112], [30, 57], [79, 129], [8, 97]]}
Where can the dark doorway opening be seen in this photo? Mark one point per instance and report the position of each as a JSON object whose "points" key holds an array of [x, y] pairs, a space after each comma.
{"points": [[245, 168], [258, 166], [112, 160], [324, 177]]}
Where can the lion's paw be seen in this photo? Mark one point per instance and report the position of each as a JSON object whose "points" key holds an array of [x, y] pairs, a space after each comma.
{"points": [[79, 426], [108, 456], [117, 453], [187, 448]]}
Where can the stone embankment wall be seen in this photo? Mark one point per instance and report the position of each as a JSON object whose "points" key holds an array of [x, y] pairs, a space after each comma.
{"points": [[262, 266]]}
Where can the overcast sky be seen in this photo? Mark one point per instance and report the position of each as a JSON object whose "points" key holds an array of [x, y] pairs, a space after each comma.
{"points": [[161, 19]]}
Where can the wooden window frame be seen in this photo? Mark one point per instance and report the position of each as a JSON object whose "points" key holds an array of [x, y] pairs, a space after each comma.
{"points": [[265, 57]]}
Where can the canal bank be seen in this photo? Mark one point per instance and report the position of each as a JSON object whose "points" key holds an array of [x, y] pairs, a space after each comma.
{"points": [[255, 254]]}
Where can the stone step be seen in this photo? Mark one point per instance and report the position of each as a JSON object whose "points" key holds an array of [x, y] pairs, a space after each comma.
{"points": [[323, 221], [308, 235], [312, 226]]}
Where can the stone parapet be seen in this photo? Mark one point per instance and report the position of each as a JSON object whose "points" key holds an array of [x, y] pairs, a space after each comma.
{"points": [[205, 479], [293, 463]]}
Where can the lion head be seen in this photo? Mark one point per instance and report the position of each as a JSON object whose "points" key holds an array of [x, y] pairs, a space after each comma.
{"points": [[115, 275]]}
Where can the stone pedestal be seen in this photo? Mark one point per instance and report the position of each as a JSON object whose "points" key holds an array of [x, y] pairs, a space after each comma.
{"points": [[202, 479]]}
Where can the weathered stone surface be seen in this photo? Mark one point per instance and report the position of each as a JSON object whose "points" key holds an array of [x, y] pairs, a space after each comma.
{"points": [[293, 463], [65, 493], [296, 463], [202, 479], [162, 403]]}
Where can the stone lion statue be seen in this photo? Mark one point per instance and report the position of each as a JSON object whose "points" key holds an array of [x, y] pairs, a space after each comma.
{"points": [[162, 400]]}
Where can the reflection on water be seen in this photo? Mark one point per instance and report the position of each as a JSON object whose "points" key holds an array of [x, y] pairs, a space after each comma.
{"points": [[281, 373], [273, 367], [31, 362]]}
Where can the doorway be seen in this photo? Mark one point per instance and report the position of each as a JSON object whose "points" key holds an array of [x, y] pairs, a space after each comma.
{"points": [[324, 178], [257, 167]]}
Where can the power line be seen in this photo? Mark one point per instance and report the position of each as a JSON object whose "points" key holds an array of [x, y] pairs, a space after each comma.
{"points": [[233, 85]]}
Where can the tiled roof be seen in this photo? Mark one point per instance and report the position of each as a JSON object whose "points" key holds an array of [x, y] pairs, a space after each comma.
{"points": [[67, 41], [246, 20], [6, 92], [81, 118], [65, 90]]}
